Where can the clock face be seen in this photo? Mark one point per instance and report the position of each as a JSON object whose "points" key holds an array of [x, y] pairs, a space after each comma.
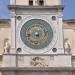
{"points": [[36, 34]]}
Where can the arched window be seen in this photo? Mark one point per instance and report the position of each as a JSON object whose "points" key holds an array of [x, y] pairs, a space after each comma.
{"points": [[31, 2], [41, 2]]}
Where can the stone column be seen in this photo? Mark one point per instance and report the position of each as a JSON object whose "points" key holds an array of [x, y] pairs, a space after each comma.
{"points": [[13, 33], [60, 30]]}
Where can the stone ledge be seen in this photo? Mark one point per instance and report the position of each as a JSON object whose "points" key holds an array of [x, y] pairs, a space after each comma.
{"points": [[35, 7], [5, 21], [36, 69], [35, 54]]}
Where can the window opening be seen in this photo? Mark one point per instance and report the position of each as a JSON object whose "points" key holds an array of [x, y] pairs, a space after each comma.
{"points": [[31, 2]]}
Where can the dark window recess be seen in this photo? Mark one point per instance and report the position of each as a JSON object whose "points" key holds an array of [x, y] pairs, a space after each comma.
{"points": [[41, 2], [31, 2]]}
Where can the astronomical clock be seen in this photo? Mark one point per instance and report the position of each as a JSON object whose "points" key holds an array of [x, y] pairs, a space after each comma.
{"points": [[36, 38], [37, 35]]}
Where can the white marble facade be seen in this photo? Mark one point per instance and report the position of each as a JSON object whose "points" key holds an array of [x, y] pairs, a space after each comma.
{"points": [[43, 58]]}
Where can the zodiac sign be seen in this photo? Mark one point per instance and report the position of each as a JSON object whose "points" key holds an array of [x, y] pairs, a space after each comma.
{"points": [[38, 62]]}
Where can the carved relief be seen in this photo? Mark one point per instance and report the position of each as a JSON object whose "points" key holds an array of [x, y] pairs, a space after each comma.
{"points": [[6, 46], [38, 62], [67, 46]]}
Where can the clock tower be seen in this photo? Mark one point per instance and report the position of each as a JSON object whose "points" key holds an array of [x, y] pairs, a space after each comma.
{"points": [[37, 35], [36, 26]]}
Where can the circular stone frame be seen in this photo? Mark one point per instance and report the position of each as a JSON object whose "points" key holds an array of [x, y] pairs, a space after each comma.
{"points": [[25, 48]]}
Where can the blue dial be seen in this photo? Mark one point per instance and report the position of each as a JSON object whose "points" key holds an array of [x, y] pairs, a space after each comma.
{"points": [[36, 34]]}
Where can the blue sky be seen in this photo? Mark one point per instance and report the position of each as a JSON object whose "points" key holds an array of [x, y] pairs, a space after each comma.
{"points": [[68, 13]]}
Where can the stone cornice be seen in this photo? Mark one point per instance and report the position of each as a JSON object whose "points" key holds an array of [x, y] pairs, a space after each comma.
{"points": [[36, 54], [4, 21], [69, 24], [37, 69], [69, 21], [35, 7]]}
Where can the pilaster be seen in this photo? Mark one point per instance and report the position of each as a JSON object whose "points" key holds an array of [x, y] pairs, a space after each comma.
{"points": [[60, 30], [13, 34]]}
